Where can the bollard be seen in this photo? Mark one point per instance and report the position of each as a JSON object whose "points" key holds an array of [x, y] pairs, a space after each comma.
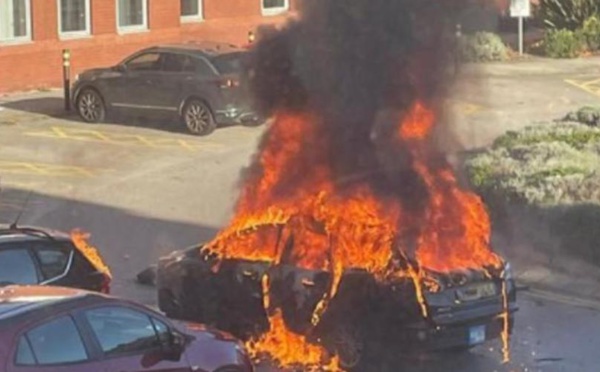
{"points": [[457, 56], [66, 58]]}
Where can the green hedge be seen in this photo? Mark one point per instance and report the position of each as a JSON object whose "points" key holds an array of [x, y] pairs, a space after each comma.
{"points": [[563, 44], [482, 47], [550, 171]]}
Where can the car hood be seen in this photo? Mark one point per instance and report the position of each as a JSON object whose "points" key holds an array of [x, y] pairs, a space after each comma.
{"points": [[203, 331]]}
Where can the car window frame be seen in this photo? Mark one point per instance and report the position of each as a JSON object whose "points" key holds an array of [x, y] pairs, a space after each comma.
{"points": [[66, 270], [127, 60], [38, 272], [94, 338], [90, 352]]}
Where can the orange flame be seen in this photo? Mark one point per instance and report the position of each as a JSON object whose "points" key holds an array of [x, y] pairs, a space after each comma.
{"points": [[338, 228], [80, 240]]}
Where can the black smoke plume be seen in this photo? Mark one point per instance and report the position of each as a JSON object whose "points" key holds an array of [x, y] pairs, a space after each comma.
{"points": [[358, 65]]}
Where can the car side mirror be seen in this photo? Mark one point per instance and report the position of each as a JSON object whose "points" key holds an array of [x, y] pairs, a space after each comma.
{"points": [[120, 68], [173, 350]]}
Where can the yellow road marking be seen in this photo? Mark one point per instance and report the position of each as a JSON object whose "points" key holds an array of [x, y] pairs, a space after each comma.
{"points": [[111, 138], [47, 170], [590, 86], [466, 108]]}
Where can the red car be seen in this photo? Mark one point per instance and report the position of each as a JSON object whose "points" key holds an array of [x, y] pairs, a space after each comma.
{"points": [[59, 329]]}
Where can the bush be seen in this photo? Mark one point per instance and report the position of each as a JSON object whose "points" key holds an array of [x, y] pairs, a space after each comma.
{"points": [[562, 44], [590, 33], [568, 14], [547, 174], [588, 115], [482, 47]]}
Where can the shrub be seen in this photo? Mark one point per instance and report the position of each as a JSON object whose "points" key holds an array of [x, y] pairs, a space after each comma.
{"points": [[590, 33], [482, 47], [547, 174], [567, 14], [562, 44], [588, 115]]}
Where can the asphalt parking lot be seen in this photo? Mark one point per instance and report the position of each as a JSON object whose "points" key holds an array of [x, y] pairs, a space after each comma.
{"points": [[143, 188]]}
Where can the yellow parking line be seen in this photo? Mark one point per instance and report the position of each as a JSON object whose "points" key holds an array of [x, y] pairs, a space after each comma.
{"points": [[123, 139], [46, 170], [590, 86], [466, 108]]}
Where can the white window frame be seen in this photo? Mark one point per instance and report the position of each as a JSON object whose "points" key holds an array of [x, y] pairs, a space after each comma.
{"points": [[196, 17], [75, 34], [274, 11], [134, 28], [21, 39]]}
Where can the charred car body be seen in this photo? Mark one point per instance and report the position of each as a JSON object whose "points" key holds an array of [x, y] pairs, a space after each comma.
{"points": [[455, 312]]}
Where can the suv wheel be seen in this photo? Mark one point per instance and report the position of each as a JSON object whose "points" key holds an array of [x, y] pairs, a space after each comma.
{"points": [[90, 106], [198, 118]]}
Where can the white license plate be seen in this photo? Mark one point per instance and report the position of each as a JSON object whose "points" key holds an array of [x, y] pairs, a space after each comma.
{"points": [[476, 335]]}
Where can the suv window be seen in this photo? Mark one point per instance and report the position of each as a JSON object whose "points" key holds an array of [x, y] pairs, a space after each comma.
{"points": [[55, 342], [144, 62], [198, 66], [17, 266], [53, 260], [231, 63], [121, 330], [173, 62]]}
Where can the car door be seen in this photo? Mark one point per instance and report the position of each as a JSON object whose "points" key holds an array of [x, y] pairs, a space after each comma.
{"points": [[137, 84], [169, 86], [132, 340], [56, 345], [17, 266]]}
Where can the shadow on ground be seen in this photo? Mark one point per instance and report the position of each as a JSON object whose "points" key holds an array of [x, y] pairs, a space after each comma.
{"points": [[54, 106], [128, 242]]}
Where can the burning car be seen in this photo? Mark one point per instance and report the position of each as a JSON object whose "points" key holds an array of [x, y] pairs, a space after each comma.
{"points": [[434, 312]]}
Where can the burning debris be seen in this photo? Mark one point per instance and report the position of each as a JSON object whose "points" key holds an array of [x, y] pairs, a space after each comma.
{"points": [[349, 164]]}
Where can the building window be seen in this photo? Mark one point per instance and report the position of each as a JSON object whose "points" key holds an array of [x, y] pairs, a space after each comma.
{"points": [[191, 10], [273, 7], [15, 20], [132, 15], [74, 17]]}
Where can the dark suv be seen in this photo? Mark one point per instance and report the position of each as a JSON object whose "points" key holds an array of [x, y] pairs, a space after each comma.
{"points": [[199, 83]]}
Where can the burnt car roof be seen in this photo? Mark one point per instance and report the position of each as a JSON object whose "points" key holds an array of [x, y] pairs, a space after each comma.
{"points": [[205, 48], [17, 300], [21, 233]]}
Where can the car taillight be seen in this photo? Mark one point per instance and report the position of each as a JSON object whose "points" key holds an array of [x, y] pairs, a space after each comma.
{"points": [[105, 284], [229, 83]]}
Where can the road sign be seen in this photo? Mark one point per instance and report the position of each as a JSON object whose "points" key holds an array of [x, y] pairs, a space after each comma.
{"points": [[520, 8]]}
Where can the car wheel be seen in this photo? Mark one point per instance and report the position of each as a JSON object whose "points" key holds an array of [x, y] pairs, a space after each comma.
{"points": [[348, 344], [198, 118], [90, 106]]}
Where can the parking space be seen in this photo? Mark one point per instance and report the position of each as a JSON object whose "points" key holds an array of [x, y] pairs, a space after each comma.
{"points": [[588, 84], [105, 137]]}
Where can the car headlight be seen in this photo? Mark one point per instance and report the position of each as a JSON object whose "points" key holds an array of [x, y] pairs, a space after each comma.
{"points": [[507, 272]]}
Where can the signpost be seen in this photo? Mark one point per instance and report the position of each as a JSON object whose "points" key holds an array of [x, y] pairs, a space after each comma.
{"points": [[520, 9]]}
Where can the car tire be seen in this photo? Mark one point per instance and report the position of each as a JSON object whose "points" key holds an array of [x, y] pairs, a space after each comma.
{"points": [[347, 342], [198, 118], [90, 106]]}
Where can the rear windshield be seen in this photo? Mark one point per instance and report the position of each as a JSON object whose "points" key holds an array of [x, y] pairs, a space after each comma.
{"points": [[229, 63]]}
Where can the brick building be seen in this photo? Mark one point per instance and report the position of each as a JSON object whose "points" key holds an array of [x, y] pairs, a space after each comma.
{"points": [[33, 33]]}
